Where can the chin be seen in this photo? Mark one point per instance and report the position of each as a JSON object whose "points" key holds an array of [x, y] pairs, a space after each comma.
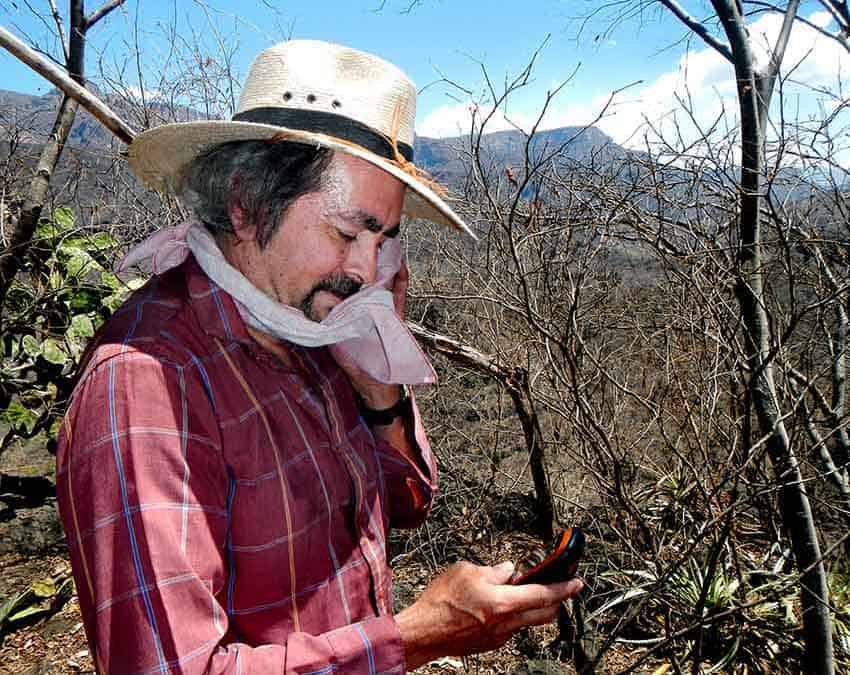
{"points": [[325, 306], [319, 309]]}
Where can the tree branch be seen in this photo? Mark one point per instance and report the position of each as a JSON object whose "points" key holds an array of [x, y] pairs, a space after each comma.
{"points": [[57, 19], [515, 380], [840, 38], [767, 81], [102, 11], [839, 13], [697, 27]]}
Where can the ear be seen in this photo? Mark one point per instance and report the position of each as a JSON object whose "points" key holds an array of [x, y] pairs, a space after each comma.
{"points": [[242, 230]]}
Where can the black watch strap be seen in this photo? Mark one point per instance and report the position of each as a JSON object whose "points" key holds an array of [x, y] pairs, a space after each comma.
{"points": [[400, 408]]}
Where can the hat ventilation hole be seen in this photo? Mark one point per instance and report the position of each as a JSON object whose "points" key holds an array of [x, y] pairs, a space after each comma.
{"points": [[287, 95], [336, 104], [311, 98]]}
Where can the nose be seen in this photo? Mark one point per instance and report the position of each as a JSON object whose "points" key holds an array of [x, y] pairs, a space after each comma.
{"points": [[361, 262]]}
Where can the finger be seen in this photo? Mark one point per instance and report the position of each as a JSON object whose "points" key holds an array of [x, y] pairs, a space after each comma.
{"points": [[559, 591], [534, 617], [499, 574], [572, 587], [400, 284], [536, 596]]}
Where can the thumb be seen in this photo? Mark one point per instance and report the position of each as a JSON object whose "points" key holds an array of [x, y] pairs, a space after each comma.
{"points": [[501, 573]]}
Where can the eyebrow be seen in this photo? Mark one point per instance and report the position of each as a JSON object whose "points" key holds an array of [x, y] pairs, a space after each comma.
{"points": [[372, 224]]}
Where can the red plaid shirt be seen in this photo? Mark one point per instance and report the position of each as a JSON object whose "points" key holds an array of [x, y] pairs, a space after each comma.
{"points": [[226, 513]]}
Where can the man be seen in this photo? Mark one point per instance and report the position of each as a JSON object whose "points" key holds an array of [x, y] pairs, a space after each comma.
{"points": [[239, 443]]}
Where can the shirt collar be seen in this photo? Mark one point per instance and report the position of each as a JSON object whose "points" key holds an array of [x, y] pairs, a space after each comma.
{"points": [[214, 308], [218, 316]]}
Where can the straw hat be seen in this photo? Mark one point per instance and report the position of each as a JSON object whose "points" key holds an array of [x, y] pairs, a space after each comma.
{"points": [[309, 92]]}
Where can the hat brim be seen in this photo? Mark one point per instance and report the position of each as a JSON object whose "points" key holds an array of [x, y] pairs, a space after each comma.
{"points": [[160, 155]]}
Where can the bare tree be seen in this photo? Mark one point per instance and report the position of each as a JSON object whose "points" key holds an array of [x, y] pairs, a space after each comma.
{"points": [[21, 235], [755, 90], [682, 320]]}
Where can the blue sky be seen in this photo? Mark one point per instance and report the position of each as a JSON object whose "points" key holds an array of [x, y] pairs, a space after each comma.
{"points": [[435, 37], [452, 38]]}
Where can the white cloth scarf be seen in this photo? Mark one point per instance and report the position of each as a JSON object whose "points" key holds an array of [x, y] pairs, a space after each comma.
{"points": [[363, 329]]}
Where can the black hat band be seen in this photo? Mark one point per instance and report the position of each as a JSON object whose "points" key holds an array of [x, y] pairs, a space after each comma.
{"points": [[330, 124]]}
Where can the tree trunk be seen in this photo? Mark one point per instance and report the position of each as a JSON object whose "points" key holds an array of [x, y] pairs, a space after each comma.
{"points": [[21, 237], [754, 94], [524, 405]]}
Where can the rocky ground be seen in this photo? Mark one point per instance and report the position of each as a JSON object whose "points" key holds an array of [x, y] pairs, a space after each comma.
{"points": [[50, 643]]}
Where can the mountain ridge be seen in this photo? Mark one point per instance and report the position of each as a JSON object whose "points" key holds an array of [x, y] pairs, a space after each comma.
{"points": [[33, 115]]}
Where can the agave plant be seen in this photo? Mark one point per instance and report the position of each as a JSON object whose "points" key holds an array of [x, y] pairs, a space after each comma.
{"points": [[705, 612], [840, 592]]}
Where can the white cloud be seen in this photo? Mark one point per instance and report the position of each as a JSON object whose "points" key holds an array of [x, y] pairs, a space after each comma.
{"points": [[814, 65], [135, 93], [458, 119]]}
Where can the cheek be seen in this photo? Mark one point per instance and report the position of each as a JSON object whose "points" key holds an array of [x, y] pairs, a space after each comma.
{"points": [[325, 260], [317, 260], [326, 252]]}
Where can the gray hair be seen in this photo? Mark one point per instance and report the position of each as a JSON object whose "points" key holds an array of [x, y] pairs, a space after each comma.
{"points": [[261, 177]]}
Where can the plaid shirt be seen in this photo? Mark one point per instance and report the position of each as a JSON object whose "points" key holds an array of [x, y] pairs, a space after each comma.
{"points": [[226, 513]]}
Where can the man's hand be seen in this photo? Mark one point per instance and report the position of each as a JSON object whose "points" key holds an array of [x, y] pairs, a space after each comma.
{"points": [[470, 609], [378, 395]]}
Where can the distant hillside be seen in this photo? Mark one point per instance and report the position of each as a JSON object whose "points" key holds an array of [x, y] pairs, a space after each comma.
{"points": [[445, 158], [33, 116], [31, 119]]}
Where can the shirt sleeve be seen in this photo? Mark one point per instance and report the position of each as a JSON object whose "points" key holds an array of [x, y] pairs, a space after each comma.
{"points": [[143, 494], [410, 490]]}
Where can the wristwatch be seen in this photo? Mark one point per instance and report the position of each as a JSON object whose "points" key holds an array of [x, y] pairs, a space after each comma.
{"points": [[401, 408]]}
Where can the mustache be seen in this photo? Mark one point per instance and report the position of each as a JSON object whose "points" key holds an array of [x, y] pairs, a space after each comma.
{"points": [[340, 285]]}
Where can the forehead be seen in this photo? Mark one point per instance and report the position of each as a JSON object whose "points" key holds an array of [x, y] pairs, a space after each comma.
{"points": [[360, 190]]}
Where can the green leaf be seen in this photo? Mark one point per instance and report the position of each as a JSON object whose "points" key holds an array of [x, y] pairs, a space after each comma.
{"points": [[31, 611], [110, 281], [102, 241], [113, 302], [44, 588], [625, 596], [64, 218], [84, 300], [19, 417], [56, 280], [81, 327], [66, 588], [31, 345], [46, 229], [78, 334], [55, 425], [79, 262], [53, 352], [7, 607], [123, 290]]}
